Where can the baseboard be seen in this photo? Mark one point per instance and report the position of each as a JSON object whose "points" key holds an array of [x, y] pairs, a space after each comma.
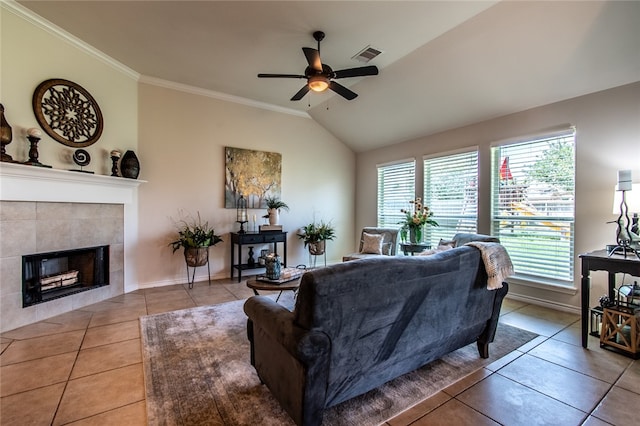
{"points": [[545, 303]]}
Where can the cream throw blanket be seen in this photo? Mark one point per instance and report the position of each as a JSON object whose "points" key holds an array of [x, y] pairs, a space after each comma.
{"points": [[496, 261]]}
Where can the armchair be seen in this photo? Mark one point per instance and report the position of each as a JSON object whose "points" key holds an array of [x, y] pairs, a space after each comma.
{"points": [[375, 242]]}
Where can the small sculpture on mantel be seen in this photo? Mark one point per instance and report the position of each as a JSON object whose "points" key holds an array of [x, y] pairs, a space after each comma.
{"points": [[34, 135], [115, 156], [6, 136]]}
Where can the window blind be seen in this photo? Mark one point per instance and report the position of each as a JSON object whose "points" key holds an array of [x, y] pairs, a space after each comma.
{"points": [[396, 187], [451, 192], [533, 193]]}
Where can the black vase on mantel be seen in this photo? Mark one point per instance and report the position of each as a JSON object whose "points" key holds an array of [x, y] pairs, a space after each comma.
{"points": [[129, 165]]}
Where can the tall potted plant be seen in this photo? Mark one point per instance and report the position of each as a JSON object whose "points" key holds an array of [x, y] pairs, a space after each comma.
{"points": [[315, 236], [195, 237], [274, 204]]}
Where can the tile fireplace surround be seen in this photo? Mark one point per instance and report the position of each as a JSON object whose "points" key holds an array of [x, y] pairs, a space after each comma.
{"points": [[43, 210]]}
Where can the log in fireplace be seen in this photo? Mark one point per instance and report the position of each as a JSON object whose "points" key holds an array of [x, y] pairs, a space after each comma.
{"points": [[48, 276]]}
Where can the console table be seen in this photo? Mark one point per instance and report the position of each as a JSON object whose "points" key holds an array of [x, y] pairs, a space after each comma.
{"points": [[600, 260], [254, 238]]}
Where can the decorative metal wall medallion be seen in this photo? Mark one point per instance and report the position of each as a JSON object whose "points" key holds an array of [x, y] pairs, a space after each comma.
{"points": [[67, 113]]}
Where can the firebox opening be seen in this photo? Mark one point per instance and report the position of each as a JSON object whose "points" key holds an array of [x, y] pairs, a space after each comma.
{"points": [[48, 276]]}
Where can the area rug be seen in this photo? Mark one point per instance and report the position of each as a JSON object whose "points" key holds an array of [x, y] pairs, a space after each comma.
{"points": [[197, 372]]}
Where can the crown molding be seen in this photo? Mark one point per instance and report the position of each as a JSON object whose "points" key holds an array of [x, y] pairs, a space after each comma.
{"points": [[35, 19], [218, 95]]}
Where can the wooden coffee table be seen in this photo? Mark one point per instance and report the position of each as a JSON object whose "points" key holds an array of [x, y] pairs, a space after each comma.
{"points": [[256, 285]]}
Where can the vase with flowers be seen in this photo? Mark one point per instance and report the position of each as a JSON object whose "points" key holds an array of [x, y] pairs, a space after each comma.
{"points": [[415, 220]]}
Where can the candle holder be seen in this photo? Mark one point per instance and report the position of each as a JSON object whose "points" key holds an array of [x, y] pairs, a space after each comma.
{"points": [[241, 213], [33, 135], [115, 156]]}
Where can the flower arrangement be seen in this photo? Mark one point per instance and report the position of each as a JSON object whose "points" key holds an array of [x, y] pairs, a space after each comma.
{"points": [[415, 219]]}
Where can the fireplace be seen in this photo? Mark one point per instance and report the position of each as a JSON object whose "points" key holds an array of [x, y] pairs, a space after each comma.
{"points": [[49, 211], [49, 276]]}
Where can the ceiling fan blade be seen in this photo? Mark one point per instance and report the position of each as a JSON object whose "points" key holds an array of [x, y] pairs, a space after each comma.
{"points": [[313, 58], [356, 72], [301, 93], [342, 91], [280, 76]]}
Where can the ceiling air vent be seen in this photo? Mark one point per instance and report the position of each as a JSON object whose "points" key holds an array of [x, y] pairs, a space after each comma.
{"points": [[366, 54]]}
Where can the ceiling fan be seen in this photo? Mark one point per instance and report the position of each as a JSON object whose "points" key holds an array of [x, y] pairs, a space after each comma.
{"points": [[320, 77]]}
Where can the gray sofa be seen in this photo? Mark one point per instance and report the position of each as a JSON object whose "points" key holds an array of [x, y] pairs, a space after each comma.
{"points": [[359, 324]]}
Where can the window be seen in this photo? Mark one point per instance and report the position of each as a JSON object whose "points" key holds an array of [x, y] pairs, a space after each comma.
{"points": [[451, 192], [533, 188], [396, 187]]}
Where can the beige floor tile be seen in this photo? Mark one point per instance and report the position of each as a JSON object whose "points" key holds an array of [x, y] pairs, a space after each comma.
{"points": [[114, 316], [541, 326], [129, 415], [466, 382], [595, 362], [100, 393], [166, 296], [111, 333], [129, 298], [169, 305], [509, 305], [20, 409], [571, 334], [501, 362], [419, 410], [107, 357], [105, 305], [619, 407], [594, 421], [153, 290], [630, 379], [76, 320], [454, 412], [511, 403], [577, 390], [37, 329], [41, 347], [41, 372], [559, 317], [213, 299]]}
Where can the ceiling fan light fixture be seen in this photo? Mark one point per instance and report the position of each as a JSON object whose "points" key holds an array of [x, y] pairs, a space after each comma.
{"points": [[318, 83]]}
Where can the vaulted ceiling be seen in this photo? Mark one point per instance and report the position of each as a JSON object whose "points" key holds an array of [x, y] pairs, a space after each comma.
{"points": [[444, 64]]}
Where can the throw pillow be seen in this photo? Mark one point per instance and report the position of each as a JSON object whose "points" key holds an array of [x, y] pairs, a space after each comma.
{"points": [[446, 244], [371, 243], [442, 246]]}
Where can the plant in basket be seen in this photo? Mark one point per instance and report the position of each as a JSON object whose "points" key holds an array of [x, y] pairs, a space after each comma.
{"points": [[195, 236]]}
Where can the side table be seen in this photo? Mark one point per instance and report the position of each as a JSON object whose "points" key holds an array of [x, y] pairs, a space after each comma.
{"points": [[255, 238], [600, 260], [412, 248]]}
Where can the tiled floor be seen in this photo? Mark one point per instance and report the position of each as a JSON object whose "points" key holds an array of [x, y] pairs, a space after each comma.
{"points": [[85, 368]]}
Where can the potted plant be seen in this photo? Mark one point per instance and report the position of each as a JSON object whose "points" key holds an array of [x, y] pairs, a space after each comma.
{"points": [[274, 204], [195, 236], [315, 234]]}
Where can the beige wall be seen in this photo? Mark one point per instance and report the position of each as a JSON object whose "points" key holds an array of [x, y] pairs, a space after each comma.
{"points": [[182, 140], [30, 54], [607, 140]]}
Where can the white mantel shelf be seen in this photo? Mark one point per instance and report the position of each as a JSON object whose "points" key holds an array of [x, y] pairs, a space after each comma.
{"points": [[20, 182]]}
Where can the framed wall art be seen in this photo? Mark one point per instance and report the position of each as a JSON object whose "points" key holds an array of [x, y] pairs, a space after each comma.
{"points": [[253, 174]]}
